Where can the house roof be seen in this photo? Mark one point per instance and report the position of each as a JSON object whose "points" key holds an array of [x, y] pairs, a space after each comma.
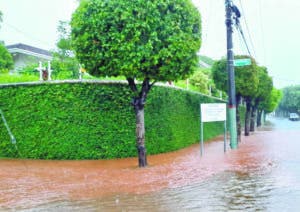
{"points": [[204, 64], [29, 50]]}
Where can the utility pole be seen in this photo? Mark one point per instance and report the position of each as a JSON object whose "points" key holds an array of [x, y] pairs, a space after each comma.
{"points": [[231, 80]]}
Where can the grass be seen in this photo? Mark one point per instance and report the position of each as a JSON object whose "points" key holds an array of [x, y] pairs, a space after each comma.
{"points": [[12, 78]]}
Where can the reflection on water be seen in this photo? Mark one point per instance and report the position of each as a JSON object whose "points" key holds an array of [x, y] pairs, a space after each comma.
{"points": [[226, 191], [262, 175]]}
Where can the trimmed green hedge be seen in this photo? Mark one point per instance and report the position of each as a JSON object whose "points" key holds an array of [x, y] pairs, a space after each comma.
{"points": [[96, 121]]}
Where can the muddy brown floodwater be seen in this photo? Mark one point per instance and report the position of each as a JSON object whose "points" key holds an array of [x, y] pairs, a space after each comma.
{"points": [[263, 174]]}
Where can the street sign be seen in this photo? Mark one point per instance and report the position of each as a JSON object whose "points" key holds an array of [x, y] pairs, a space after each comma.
{"points": [[242, 62]]}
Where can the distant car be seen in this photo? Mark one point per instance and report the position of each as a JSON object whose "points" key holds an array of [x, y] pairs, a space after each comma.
{"points": [[294, 117]]}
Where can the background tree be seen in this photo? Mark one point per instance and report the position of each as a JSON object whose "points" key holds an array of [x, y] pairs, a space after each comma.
{"points": [[64, 63], [219, 74], [269, 104], [203, 82], [273, 101], [6, 60], [264, 90], [145, 40], [246, 83], [290, 102], [200, 80]]}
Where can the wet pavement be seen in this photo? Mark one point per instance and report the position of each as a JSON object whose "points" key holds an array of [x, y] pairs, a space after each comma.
{"points": [[262, 175]]}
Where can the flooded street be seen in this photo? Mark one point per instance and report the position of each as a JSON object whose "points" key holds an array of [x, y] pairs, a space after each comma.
{"points": [[263, 175]]}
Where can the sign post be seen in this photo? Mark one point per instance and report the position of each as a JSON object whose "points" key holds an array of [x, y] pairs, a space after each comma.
{"points": [[212, 112]]}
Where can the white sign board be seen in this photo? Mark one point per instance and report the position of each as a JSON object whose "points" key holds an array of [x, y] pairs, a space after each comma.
{"points": [[213, 112]]}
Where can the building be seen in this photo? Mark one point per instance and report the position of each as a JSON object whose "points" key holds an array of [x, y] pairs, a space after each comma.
{"points": [[24, 55]]}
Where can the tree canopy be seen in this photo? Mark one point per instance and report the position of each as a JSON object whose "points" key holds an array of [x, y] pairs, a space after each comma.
{"points": [[265, 85], [272, 101], [201, 80], [246, 77], [6, 60], [137, 39], [291, 99]]}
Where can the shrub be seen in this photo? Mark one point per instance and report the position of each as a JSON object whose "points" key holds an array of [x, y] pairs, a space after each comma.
{"points": [[95, 121]]}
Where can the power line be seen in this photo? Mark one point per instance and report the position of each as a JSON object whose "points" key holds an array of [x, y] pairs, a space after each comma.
{"points": [[262, 32], [239, 28], [247, 28], [236, 17], [242, 45], [26, 34], [210, 6]]}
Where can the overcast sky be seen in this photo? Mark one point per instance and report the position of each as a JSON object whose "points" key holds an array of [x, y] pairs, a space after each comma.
{"points": [[34, 22], [274, 28]]}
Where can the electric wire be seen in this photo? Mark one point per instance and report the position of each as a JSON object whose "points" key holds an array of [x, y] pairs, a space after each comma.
{"points": [[247, 28], [262, 32], [209, 21], [240, 30], [16, 29], [244, 39], [236, 17], [241, 44]]}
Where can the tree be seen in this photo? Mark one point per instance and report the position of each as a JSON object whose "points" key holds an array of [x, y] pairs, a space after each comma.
{"points": [[6, 60], [264, 90], [273, 101], [220, 76], [142, 40], [291, 99], [269, 104], [64, 43], [64, 63], [276, 97], [200, 80], [246, 83]]}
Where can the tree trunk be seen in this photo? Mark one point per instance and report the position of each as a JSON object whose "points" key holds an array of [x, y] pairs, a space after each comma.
{"points": [[247, 116], [253, 118], [259, 118], [238, 119], [138, 104], [264, 117], [140, 136]]}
